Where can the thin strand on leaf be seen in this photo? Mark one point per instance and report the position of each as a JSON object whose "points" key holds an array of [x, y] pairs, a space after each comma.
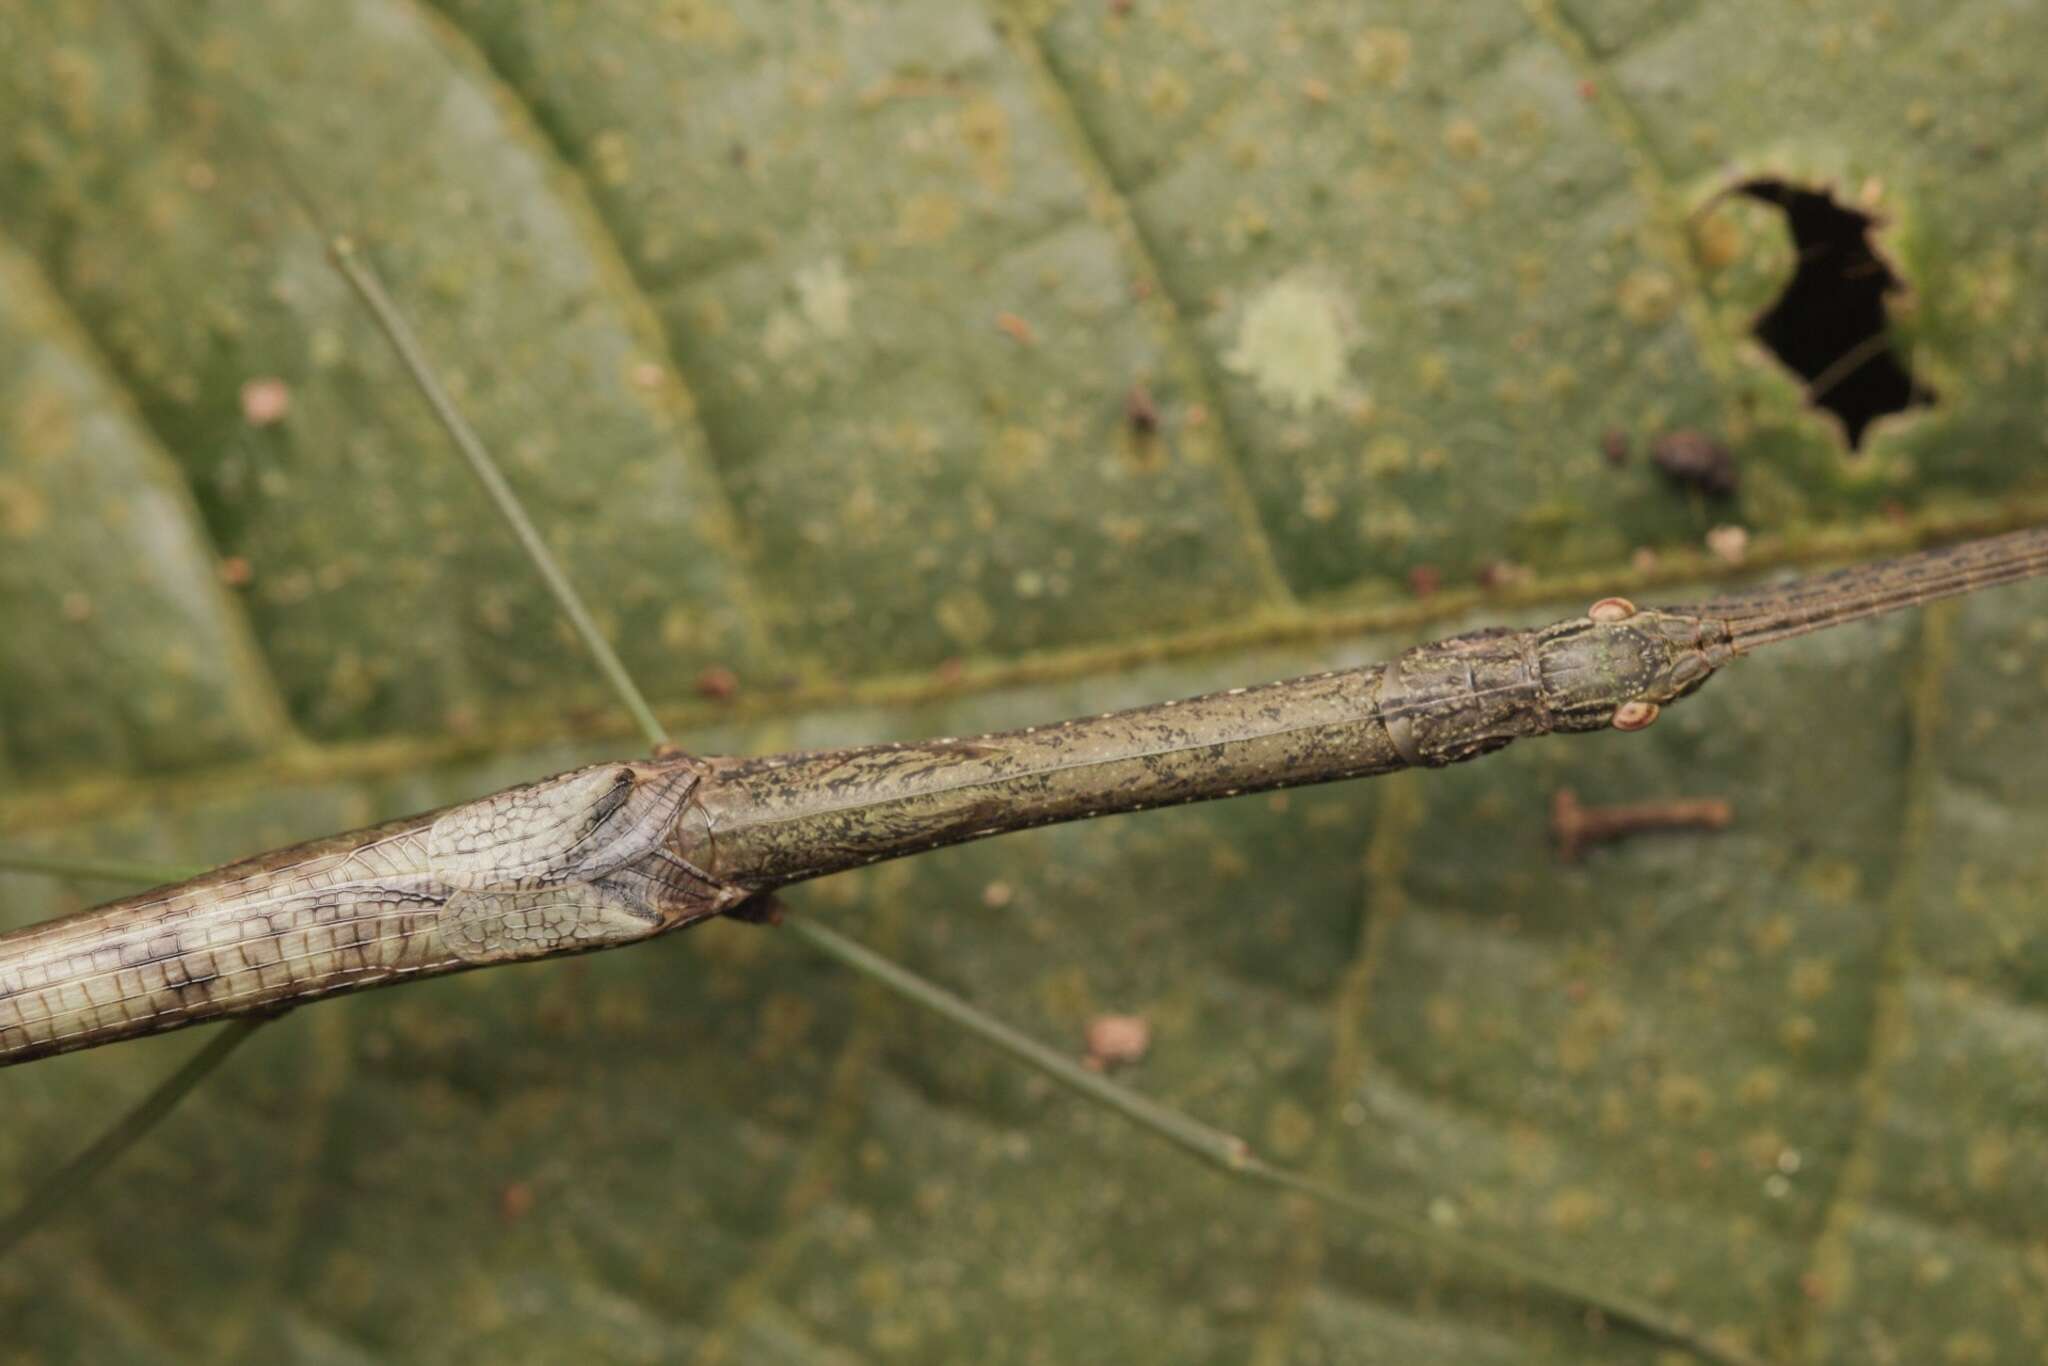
{"points": [[57, 1189], [1233, 1155], [1220, 1149], [399, 333]]}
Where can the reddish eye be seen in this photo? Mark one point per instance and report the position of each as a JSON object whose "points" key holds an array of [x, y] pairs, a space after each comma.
{"points": [[1635, 715], [1611, 609]]}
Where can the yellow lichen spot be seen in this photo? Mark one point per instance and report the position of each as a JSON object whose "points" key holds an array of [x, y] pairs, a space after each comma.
{"points": [[1445, 1016], [1317, 504], [678, 628], [1595, 1021], [781, 335], [1920, 115], [712, 317], [1433, 372], [1289, 1129], [23, 509], [1836, 882], [1988, 1160], [965, 617], [612, 156], [1717, 240], [1248, 222], [1166, 93], [1227, 862], [1798, 1032], [1463, 139], [926, 218], [1969, 1347], [825, 296], [878, 1285], [1389, 524], [1532, 1155], [1647, 296], [1773, 935], [1683, 1099], [1019, 453], [1382, 55], [985, 127], [1290, 344], [697, 21], [1386, 455], [1575, 1209], [1760, 1086], [1476, 195], [1812, 978]]}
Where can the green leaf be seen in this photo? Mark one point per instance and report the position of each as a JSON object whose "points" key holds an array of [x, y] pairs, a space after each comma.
{"points": [[814, 336]]}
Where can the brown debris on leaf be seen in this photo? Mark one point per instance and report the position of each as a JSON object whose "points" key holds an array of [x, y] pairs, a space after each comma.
{"points": [[1114, 1040], [1692, 458]]}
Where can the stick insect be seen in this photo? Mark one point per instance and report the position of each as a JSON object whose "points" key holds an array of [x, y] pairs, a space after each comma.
{"points": [[492, 896], [621, 852]]}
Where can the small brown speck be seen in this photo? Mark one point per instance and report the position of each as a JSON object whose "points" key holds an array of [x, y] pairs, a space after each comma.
{"points": [[1643, 560], [1114, 1040], [1120, 7], [1315, 91], [1140, 411], [1016, 329], [1696, 460], [717, 683], [77, 607], [515, 1202], [647, 375], [1730, 543], [265, 402], [1614, 445], [1424, 580], [235, 571], [997, 895], [951, 670], [1588, 90]]}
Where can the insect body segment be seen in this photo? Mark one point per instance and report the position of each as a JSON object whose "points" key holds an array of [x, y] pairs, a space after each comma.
{"points": [[585, 860]]}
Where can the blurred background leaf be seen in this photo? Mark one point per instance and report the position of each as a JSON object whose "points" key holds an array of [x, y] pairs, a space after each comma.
{"points": [[915, 368]]}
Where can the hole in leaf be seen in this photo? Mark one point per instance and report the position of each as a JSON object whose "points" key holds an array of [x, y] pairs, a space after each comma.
{"points": [[1830, 324]]}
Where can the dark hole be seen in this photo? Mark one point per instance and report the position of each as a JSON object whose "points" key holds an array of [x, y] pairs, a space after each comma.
{"points": [[1830, 325]]}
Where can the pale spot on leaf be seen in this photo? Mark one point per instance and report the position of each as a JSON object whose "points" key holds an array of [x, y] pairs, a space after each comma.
{"points": [[1291, 345]]}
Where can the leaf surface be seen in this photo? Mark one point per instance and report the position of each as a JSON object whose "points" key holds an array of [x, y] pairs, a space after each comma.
{"points": [[933, 368]]}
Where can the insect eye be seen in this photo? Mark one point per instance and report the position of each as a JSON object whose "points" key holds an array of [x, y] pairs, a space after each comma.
{"points": [[1635, 715], [1611, 610]]}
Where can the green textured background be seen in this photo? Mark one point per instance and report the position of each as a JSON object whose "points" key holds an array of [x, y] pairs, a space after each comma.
{"points": [[807, 328]]}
